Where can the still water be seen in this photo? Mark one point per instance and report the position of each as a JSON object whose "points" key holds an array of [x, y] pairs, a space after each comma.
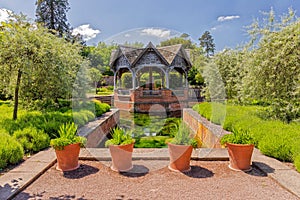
{"points": [[149, 130]]}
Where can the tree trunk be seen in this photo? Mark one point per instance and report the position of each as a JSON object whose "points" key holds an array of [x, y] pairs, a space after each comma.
{"points": [[16, 103]]}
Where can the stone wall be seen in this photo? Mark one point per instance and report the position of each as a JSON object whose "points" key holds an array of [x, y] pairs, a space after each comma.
{"points": [[96, 131], [207, 133]]}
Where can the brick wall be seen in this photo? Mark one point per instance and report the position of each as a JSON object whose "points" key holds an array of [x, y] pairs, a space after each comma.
{"points": [[96, 131], [208, 133]]}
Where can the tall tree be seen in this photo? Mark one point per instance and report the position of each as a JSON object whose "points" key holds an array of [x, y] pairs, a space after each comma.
{"points": [[36, 66], [207, 43], [53, 14]]}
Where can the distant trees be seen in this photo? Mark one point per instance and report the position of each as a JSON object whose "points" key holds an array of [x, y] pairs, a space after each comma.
{"points": [[53, 15], [186, 43], [207, 43]]}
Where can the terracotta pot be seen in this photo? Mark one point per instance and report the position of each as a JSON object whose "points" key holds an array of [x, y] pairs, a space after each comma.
{"points": [[240, 156], [121, 156], [67, 159], [180, 156]]}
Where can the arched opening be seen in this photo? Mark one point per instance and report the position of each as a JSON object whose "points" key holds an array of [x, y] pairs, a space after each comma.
{"points": [[123, 81], [151, 78], [177, 79]]}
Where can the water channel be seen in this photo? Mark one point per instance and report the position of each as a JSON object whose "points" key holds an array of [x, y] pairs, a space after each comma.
{"points": [[149, 130]]}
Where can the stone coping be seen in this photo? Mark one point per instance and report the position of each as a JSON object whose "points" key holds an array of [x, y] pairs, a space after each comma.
{"points": [[93, 125], [22, 176]]}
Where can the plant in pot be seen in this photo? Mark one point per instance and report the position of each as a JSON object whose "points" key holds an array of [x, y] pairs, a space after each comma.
{"points": [[180, 149], [240, 147], [121, 148], [67, 147]]}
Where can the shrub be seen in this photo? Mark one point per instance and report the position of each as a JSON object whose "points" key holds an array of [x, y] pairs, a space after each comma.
{"points": [[79, 118], [183, 136], [67, 135], [100, 108], [297, 162], [273, 137], [90, 115], [31, 139], [119, 137], [237, 137], [11, 152]]}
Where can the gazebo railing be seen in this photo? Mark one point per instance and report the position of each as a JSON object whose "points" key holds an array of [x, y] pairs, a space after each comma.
{"points": [[123, 92], [152, 93]]}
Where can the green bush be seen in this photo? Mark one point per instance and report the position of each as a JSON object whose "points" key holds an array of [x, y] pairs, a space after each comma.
{"points": [[297, 162], [273, 137], [79, 118], [277, 145], [90, 115], [11, 151], [100, 108], [31, 139]]}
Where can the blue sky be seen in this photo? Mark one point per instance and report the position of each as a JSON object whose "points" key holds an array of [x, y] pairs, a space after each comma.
{"points": [[140, 20]]}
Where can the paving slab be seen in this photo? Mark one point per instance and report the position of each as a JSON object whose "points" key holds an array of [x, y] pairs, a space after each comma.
{"points": [[23, 175], [19, 178], [284, 175]]}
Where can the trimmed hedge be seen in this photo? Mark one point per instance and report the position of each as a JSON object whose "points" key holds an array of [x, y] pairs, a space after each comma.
{"points": [[31, 139], [274, 138], [11, 151]]}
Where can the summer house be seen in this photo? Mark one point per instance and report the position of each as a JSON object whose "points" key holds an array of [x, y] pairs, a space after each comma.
{"points": [[150, 79]]}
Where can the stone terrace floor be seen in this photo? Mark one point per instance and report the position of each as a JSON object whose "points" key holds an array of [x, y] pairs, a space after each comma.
{"points": [[210, 178]]}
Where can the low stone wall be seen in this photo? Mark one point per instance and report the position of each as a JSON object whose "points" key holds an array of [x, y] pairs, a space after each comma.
{"points": [[207, 133], [96, 131]]}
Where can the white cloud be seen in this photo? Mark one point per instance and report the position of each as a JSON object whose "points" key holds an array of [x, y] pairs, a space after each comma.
{"points": [[227, 18], [4, 14], [127, 35], [156, 32], [86, 32]]}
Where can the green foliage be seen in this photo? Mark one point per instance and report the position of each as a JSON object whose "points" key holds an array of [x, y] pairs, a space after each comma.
{"points": [[126, 80], [151, 142], [36, 65], [31, 139], [237, 137], [11, 151], [207, 43], [53, 15], [273, 137], [277, 146], [170, 127], [119, 137], [183, 136], [99, 57], [186, 43], [266, 70], [297, 163], [67, 135], [95, 76], [100, 108]]}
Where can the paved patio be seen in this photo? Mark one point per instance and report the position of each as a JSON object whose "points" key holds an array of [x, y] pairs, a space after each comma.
{"points": [[148, 164]]}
